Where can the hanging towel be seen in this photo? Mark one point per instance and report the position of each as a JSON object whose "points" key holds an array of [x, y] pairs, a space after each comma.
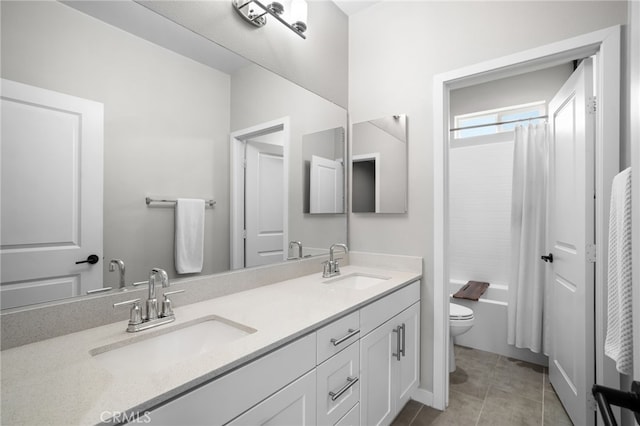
{"points": [[619, 340], [472, 290], [189, 249]]}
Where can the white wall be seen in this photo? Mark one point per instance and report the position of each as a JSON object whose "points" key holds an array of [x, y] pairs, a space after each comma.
{"points": [[165, 133], [480, 212], [395, 49]]}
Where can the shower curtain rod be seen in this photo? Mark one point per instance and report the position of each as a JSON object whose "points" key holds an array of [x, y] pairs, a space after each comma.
{"points": [[498, 123]]}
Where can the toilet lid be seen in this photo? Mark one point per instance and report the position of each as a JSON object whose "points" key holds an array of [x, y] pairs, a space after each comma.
{"points": [[459, 312]]}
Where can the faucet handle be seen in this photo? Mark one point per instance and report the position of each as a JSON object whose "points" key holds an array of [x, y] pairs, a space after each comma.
{"points": [[167, 310], [135, 316]]}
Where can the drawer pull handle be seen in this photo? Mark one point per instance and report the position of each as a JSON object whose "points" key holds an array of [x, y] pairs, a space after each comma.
{"points": [[404, 330], [348, 336], [337, 394]]}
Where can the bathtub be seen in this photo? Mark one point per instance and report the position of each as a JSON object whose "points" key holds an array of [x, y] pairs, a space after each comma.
{"points": [[489, 332]]}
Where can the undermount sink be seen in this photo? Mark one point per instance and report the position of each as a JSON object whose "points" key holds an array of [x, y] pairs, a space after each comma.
{"points": [[160, 349], [357, 280]]}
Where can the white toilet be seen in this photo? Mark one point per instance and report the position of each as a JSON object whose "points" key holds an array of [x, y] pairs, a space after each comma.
{"points": [[460, 321]]}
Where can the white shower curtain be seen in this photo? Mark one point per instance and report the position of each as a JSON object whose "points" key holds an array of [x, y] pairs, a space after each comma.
{"points": [[528, 216]]}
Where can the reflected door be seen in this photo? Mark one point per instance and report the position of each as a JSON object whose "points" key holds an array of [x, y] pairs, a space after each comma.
{"points": [[51, 202], [326, 185], [264, 213], [571, 361]]}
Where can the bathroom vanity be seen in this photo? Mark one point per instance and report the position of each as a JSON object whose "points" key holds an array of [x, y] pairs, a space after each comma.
{"points": [[307, 350]]}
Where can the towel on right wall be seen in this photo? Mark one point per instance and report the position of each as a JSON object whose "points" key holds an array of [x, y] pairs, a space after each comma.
{"points": [[619, 340]]}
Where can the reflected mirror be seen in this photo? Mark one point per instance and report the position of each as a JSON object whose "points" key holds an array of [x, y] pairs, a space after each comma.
{"points": [[174, 115], [379, 165]]}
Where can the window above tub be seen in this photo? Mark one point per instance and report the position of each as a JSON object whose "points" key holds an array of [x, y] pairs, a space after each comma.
{"points": [[495, 121]]}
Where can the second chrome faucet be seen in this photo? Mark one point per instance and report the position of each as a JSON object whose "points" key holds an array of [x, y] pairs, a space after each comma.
{"points": [[332, 267]]}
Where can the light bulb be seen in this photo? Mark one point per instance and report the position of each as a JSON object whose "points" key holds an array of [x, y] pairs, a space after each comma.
{"points": [[298, 15]]}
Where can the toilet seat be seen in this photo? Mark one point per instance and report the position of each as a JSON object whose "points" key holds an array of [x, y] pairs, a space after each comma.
{"points": [[459, 312]]}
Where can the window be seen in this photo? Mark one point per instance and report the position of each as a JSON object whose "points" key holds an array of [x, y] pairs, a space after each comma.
{"points": [[517, 112]]}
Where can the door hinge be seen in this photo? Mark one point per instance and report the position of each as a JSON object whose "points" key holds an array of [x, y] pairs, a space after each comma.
{"points": [[592, 105], [592, 404], [591, 252], [244, 163], [244, 234]]}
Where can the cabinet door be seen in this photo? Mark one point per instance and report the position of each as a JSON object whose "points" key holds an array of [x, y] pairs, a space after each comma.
{"points": [[292, 405], [408, 369], [376, 375]]}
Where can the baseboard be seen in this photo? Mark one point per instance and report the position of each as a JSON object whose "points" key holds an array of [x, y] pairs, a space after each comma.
{"points": [[423, 397]]}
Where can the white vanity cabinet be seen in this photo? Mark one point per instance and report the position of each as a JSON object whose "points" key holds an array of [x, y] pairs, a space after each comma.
{"points": [[389, 357], [357, 370]]}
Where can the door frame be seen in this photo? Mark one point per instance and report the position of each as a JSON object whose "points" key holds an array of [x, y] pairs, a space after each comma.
{"points": [[236, 207], [606, 43]]}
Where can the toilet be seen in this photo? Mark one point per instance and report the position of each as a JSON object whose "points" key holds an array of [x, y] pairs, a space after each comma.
{"points": [[460, 321]]}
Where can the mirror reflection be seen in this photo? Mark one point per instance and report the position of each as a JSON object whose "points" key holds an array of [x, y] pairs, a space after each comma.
{"points": [[379, 165], [323, 161], [171, 122]]}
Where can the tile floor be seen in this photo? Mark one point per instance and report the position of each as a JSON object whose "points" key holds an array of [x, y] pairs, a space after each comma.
{"points": [[490, 389]]}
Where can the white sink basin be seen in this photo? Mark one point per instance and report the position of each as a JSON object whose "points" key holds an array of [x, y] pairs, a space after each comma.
{"points": [[357, 280], [158, 349]]}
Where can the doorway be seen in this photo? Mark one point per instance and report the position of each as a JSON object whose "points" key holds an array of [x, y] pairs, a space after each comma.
{"points": [[259, 201], [605, 44]]}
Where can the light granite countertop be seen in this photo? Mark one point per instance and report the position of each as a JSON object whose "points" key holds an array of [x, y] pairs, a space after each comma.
{"points": [[58, 382]]}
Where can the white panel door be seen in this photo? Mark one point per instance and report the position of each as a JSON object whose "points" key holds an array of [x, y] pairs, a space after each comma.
{"points": [[326, 185], [377, 374], [264, 213], [409, 365], [571, 220], [52, 165]]}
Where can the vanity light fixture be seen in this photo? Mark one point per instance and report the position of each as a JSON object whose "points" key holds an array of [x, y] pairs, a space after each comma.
{"points": [[255, 12]]}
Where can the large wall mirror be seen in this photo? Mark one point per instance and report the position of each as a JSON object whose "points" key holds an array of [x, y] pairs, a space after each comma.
{"points": [[177, 123], [379, 165]]}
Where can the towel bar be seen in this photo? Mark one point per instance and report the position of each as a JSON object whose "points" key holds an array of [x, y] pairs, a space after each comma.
{"points": [[608, 396], [149, 200]]}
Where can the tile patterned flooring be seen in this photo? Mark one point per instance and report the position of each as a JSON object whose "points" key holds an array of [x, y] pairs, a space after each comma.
{"points": [[490, 389]]}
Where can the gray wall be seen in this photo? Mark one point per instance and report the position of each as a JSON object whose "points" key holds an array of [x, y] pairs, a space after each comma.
{"points": [[318, 63], [534, 86], [395, 50], [166, 125]]}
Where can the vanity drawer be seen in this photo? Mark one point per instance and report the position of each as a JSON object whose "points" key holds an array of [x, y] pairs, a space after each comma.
{"points": [[338, 385], [334, 337], [352, 418], [224, 398], [373, 315]]}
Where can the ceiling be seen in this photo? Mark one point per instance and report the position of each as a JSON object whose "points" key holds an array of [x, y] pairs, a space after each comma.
{"points": [[350, 7]]}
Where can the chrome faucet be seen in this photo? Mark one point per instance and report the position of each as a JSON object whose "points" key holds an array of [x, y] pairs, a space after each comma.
{"points": [[331, 267], [299, 244], [152, 302], [112, 267], [137, 321]]}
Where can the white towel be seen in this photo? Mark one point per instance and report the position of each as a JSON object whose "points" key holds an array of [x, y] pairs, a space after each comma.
{"points": [[619, 341], [189, 249]]}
